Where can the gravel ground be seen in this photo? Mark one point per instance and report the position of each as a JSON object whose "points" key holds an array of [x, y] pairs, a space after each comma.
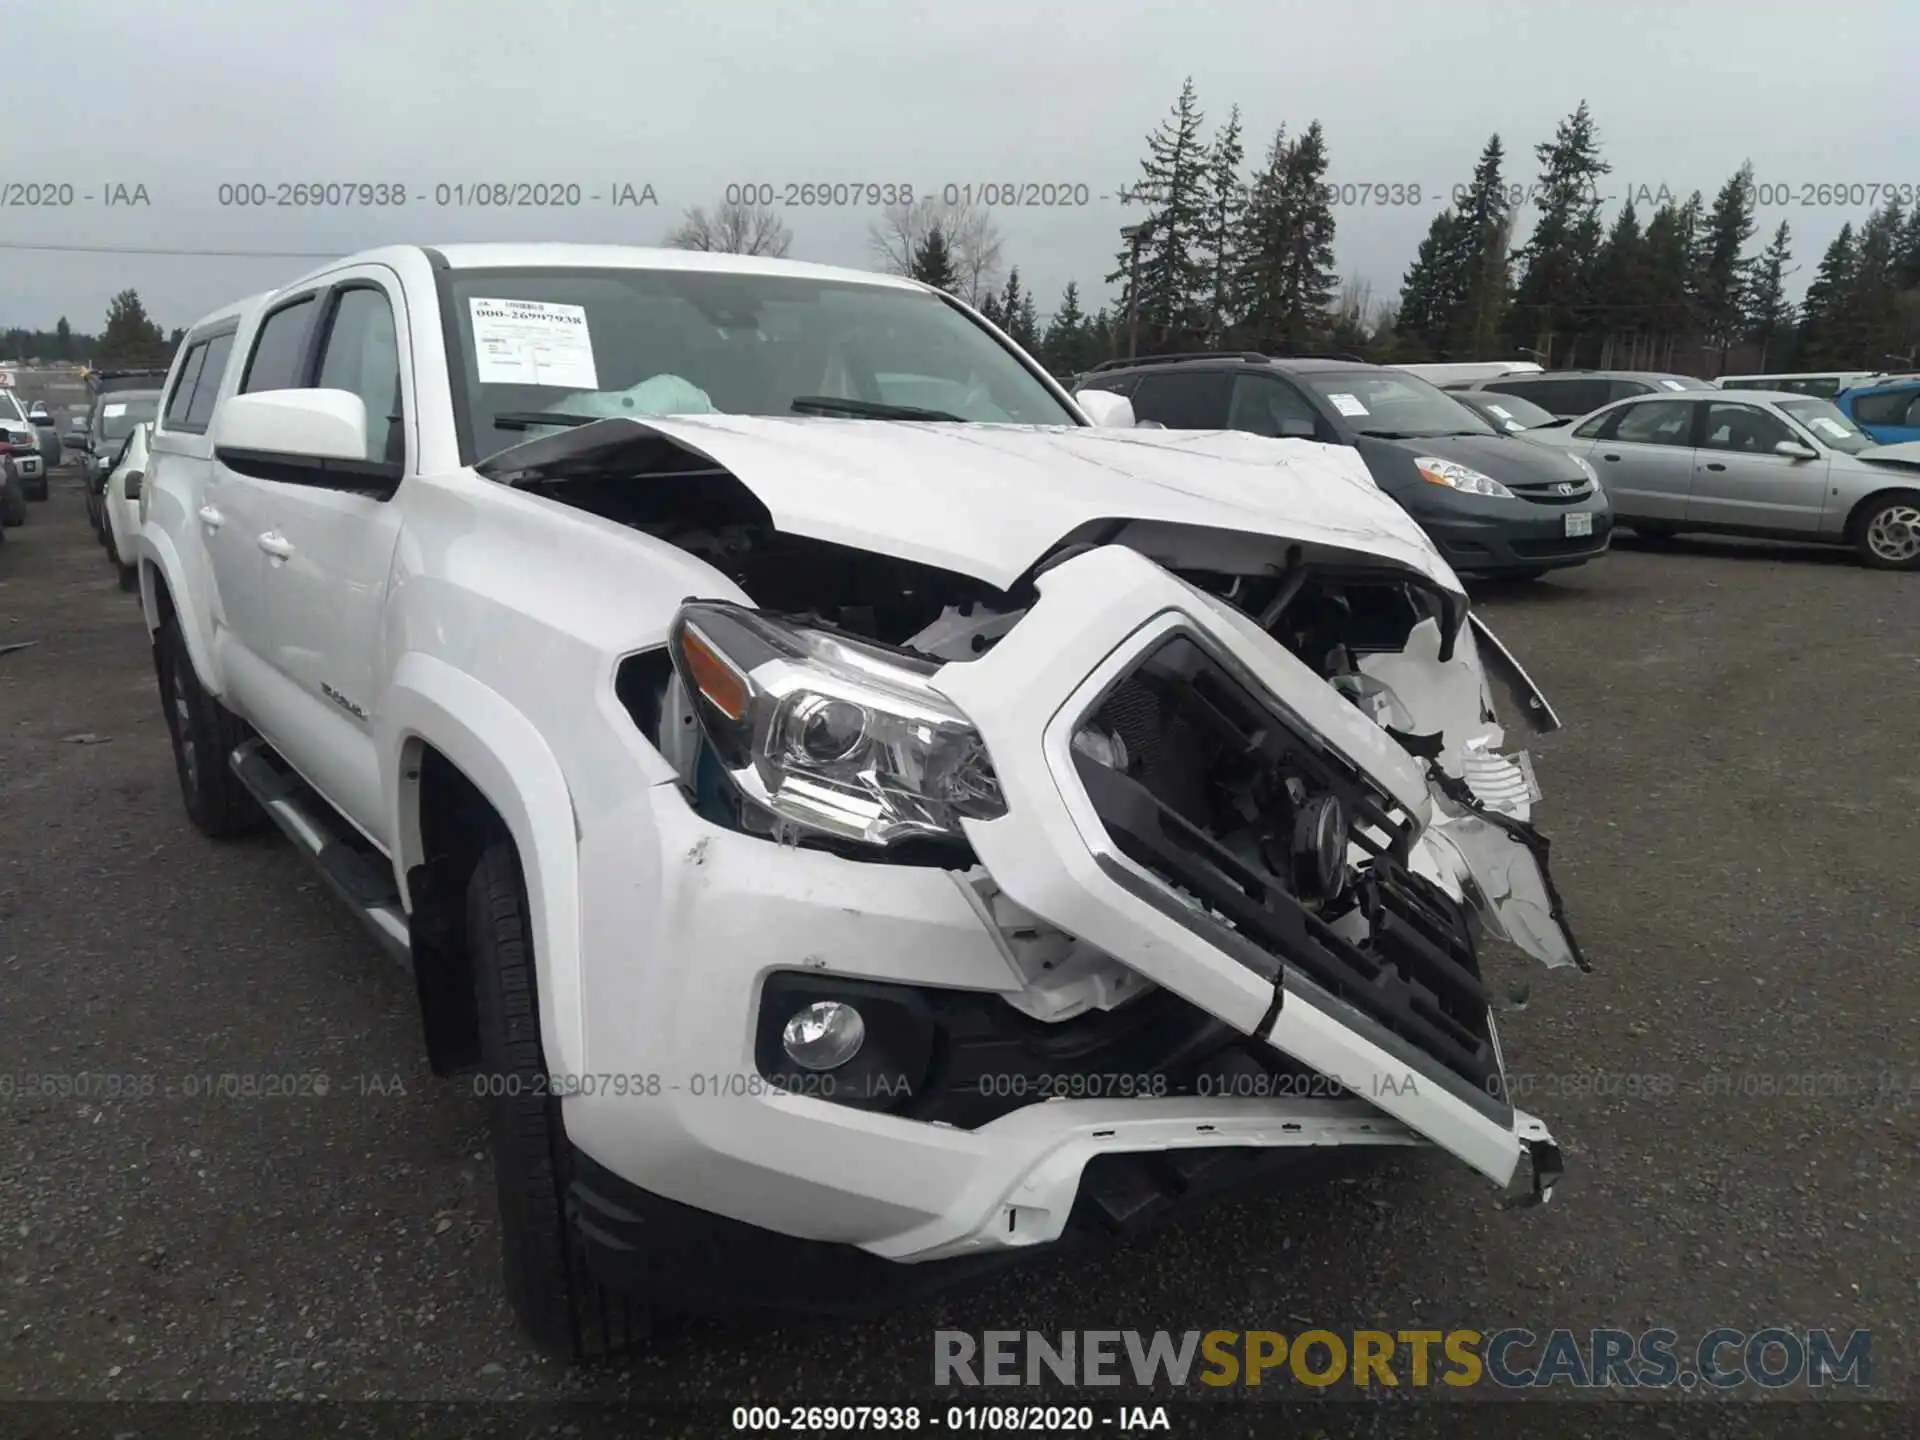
{"points": [[1732, 806]]}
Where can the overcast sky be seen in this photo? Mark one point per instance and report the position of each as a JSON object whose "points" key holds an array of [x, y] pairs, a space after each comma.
{"points": [[689, 95]]}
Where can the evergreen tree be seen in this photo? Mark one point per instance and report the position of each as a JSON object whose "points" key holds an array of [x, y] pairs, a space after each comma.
{"points": [[1101, 342], [1620, 281], [1287, 276], [1821, 309], [1725, 273], [1485, 282], [933, 261], [1557, 260], [1432, 293], [1907, 253], [1768, 316], [1006, 310], [1026, 325], [1063, 348], [1226, 202], [1667, 282], [1173, 180], [130, 337], [62, 340], [1869, 329], [989, 308]]}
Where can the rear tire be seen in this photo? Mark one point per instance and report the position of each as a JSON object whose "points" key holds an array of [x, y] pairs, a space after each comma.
{"points": [[204, 735], [1887, 535], [562, 1309]]}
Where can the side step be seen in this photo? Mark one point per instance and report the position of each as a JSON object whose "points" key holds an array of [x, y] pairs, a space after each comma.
{"points": [[352, 868]]}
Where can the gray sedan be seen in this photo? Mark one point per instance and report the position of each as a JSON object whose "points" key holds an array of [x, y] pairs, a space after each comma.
{"points": [[1751, 462]]}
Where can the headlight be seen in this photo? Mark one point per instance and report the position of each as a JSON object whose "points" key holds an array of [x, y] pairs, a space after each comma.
{"points": [[1460, 477], [828, 733], [1593, 475]]}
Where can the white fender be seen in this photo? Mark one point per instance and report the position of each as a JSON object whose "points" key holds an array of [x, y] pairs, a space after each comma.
{"points": [[498, 748], [157, 553]]}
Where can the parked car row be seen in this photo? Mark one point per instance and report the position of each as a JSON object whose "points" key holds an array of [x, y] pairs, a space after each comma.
{"points": [[1665, 452]]}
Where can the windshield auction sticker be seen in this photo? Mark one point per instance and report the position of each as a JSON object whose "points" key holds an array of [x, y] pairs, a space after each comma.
{"points": [[532, 342]]}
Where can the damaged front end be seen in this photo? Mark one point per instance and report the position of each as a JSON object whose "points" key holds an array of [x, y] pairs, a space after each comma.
{"points": [[1224, 798], [1305, 839]]}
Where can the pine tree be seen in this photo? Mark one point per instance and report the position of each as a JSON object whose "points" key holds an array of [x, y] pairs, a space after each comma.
{"points": [[1287, 275], [1821, 309], [1063, 347], [1768, 316], [1173, 177], [1724, 275], [1006, 309], [1620, 282], [989, 308], [933, 262], [1485, 224], [1431, 293], [1907, 255], [1226, 202], [62, 340], [1558, 258], [1666, 290], [1869, 329], [130, 336], [1026, 325], [1101, 342]]}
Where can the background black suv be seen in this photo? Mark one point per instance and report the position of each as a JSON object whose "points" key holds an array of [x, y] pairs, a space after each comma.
{"points": [[1494, 503]]}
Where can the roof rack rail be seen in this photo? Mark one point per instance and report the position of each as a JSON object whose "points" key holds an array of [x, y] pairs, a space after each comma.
{"points": [[1172, 358], [1322, 355]]}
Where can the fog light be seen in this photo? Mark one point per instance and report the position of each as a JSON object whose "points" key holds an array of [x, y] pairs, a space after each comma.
{"points": [[824, 1035]]}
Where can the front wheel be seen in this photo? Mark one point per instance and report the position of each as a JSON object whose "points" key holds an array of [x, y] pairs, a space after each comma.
{"points": [[204, 735], [1889, 536], [547, 1284]]}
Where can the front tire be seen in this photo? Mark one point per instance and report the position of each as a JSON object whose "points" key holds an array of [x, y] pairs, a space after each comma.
{"points": [[558, 1303], [204, 735], [1889, 534]]}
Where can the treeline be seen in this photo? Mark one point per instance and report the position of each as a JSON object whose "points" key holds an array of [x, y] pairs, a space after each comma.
{"points": [[129, 338], [1223, 257]]}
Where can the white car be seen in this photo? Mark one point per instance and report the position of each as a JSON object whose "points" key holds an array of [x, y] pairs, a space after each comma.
{"points": [[850, 840], [120, 504]]}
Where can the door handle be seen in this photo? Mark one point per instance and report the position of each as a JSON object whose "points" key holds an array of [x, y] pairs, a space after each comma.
{"points": [[1715, 465], [1609, 457], [275, 545], [211, 518]]}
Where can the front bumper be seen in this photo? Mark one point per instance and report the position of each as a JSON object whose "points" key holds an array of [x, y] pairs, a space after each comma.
{"points": [[687, 925], [1484, 536]]}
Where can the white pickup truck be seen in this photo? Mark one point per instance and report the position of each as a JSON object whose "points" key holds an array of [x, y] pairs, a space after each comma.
{"points": [[856, 818]]}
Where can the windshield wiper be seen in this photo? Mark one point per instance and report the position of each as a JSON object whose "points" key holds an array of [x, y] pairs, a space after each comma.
{"points": [[537, 419], [864, 409], [1393, 434]]}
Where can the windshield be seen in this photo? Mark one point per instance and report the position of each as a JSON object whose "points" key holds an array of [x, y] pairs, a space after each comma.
{"points": [[1830, 425], [591, 344], [119, 415], [1393, 405], [1509, 412], [10, 407]]}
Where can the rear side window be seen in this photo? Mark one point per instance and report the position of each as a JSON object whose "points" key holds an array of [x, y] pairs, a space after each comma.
{"points": [[275, 363], [1889, 407], [1195, 400], [182, 397], [1627, 389], [207, 390], [1656, 422]]}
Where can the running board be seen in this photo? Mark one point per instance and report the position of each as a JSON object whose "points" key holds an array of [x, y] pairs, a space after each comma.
{"points": [[353, 870]]}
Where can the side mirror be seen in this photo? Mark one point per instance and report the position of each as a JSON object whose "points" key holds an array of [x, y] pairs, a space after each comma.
{"points": [[1794, 450], [304, 428], [1106, 409]]}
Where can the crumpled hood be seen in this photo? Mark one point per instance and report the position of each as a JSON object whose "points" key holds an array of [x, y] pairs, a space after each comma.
{"points": [[990, 500]]}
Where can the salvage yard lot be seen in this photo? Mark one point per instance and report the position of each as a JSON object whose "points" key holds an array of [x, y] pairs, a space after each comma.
{"points": [[1733, 810]]}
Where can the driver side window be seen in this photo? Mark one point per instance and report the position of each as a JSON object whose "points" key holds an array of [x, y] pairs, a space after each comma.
{"points": [[1264, 405], [362, 357], [1743, 429]]}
